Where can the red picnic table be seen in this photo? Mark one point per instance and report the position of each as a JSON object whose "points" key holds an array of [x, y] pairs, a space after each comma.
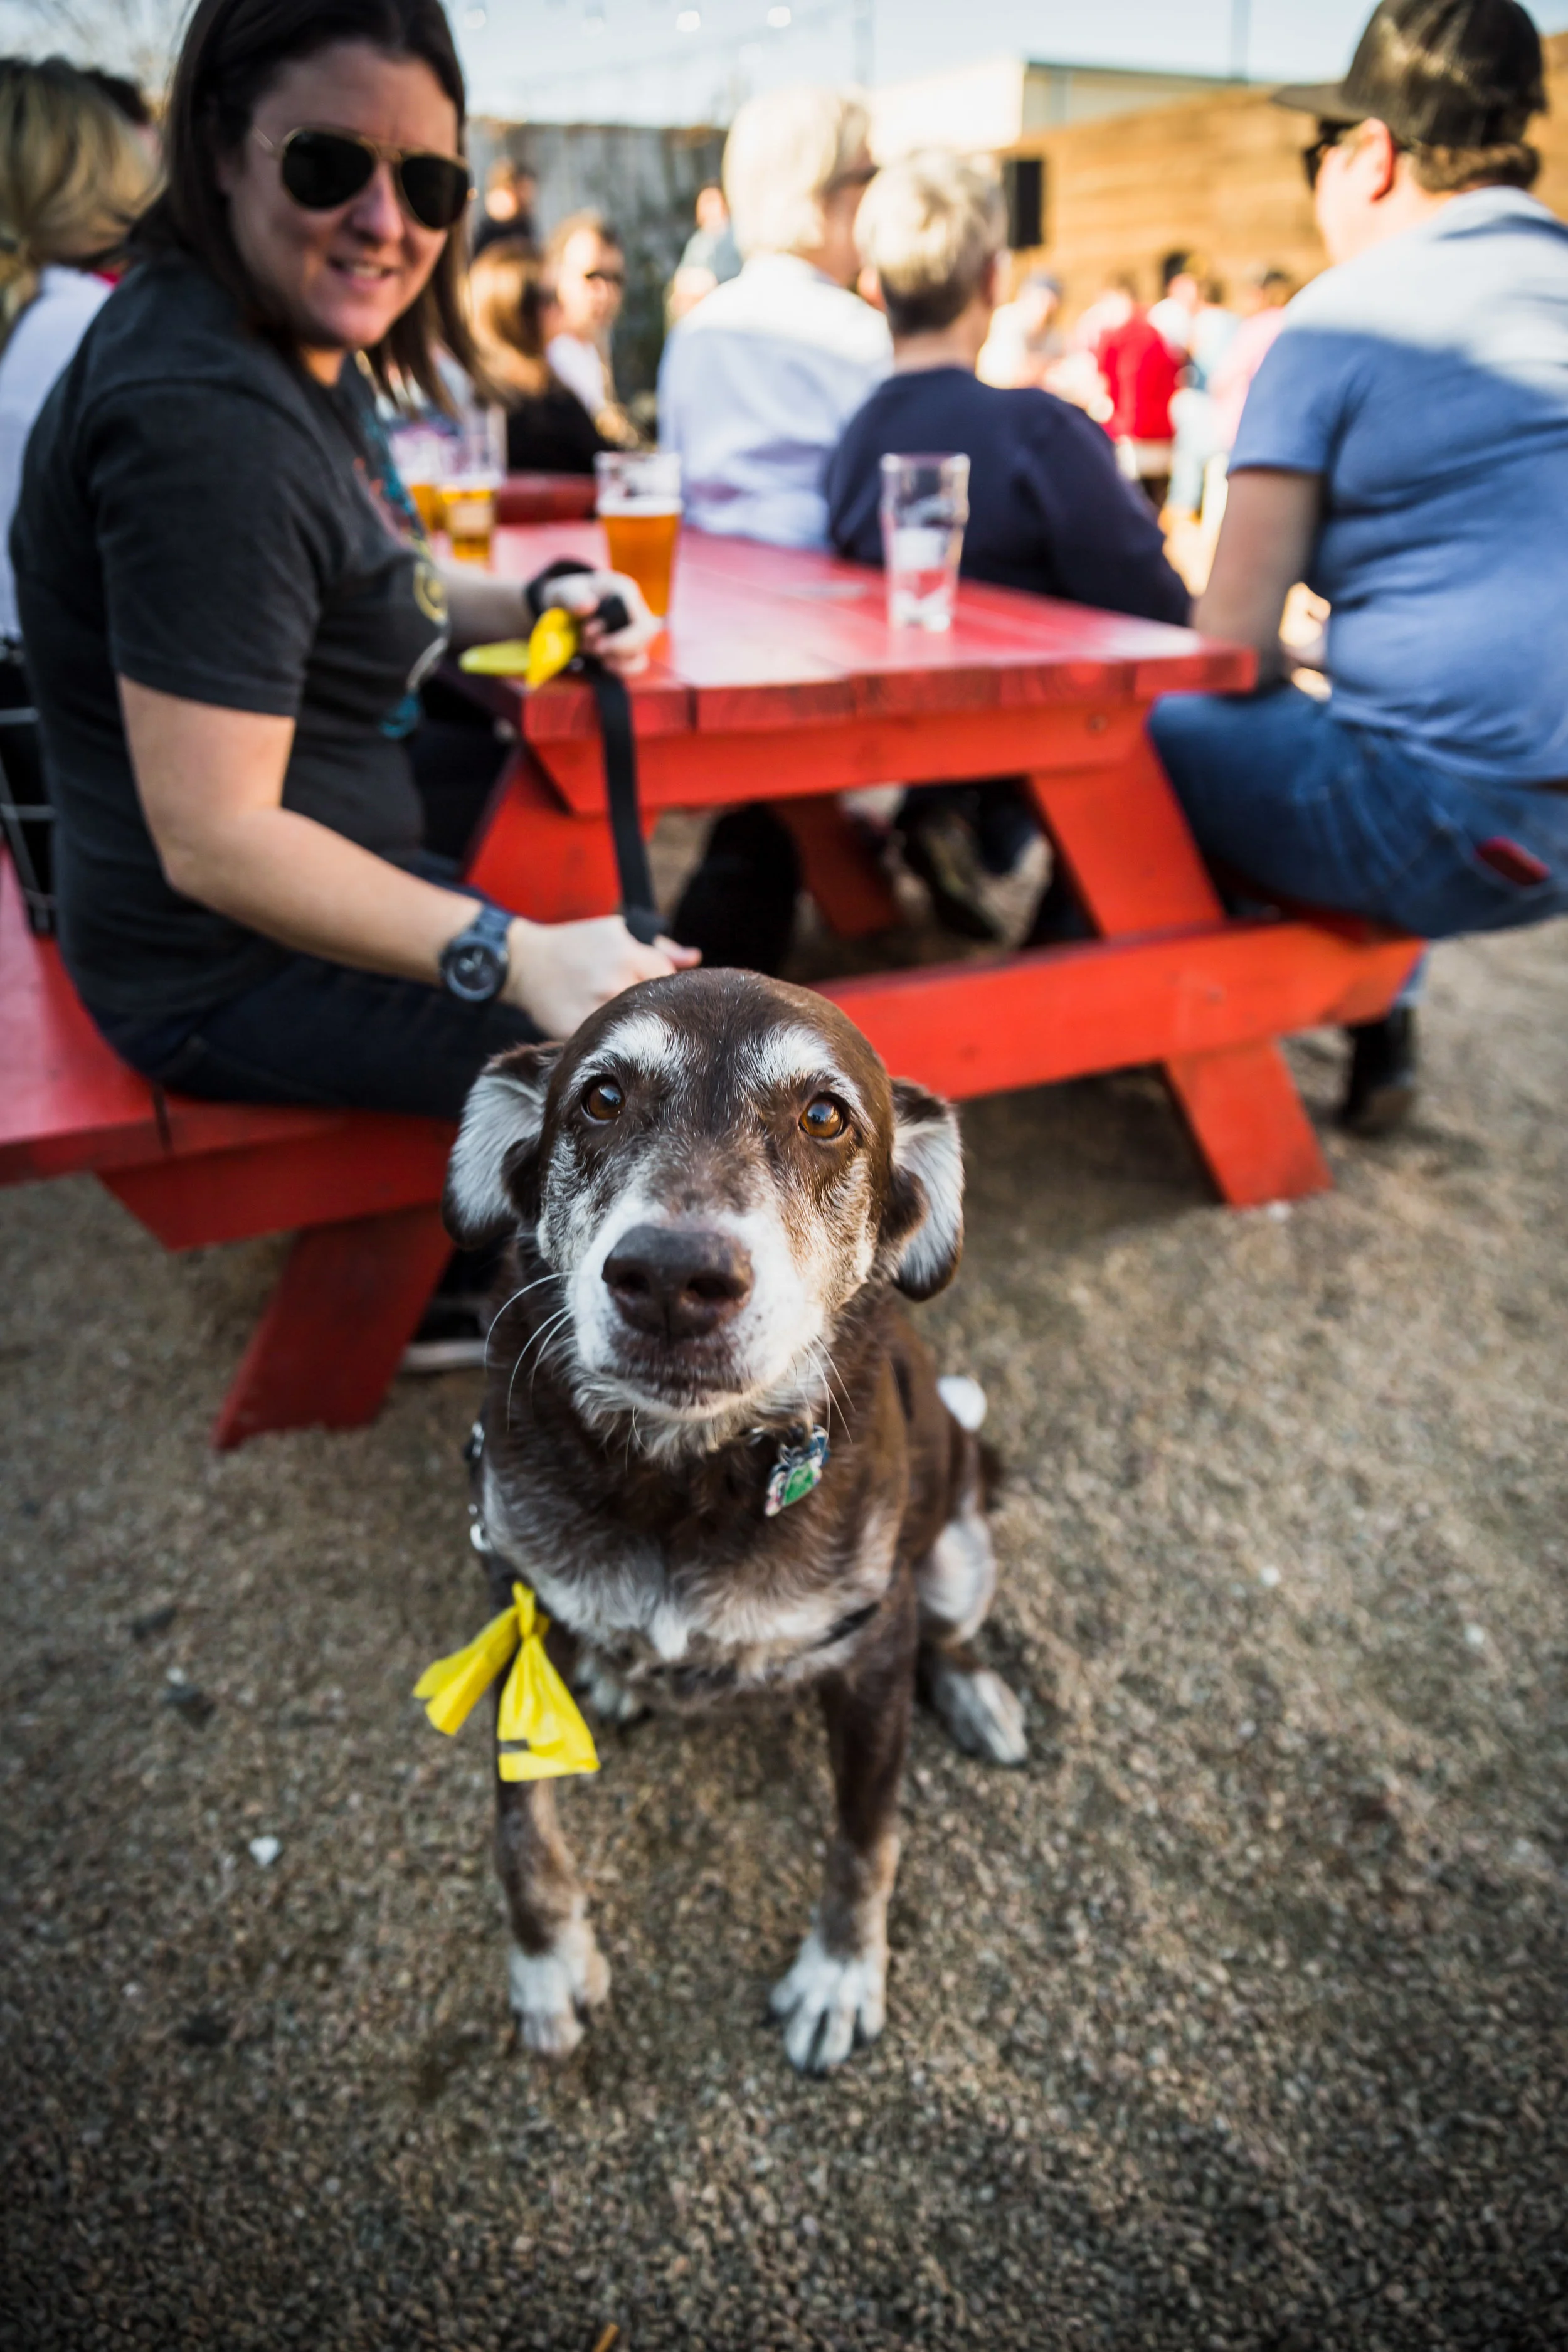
{"points": [[779, 679]]}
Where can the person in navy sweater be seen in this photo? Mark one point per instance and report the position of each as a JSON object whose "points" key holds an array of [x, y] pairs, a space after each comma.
{"points": [[1047, 510]]}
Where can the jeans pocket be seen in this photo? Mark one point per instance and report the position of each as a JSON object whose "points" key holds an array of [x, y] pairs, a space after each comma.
{"points": [[1471, 875]]}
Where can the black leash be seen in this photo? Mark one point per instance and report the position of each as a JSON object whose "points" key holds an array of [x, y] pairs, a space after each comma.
{"points": [[638, 912], [613, 705]]}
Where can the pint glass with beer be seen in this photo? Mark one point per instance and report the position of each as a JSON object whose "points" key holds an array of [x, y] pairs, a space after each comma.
{"points": [[639, 506], [468, 490], [468, 511]]}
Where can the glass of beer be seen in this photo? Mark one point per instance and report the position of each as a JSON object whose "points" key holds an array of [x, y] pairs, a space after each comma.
{"points": [[475, 468], [468, 511], [639, 506], [427, 501]]}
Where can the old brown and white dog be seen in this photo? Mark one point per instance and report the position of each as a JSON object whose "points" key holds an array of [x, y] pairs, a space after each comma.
{"points": [[715, 1192]]}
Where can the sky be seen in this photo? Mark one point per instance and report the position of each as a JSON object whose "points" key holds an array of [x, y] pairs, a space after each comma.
{"points": [[688, 61], [675, 61]]}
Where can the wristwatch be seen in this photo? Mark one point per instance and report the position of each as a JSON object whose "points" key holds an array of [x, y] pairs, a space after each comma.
{"points": [[474, 964]]}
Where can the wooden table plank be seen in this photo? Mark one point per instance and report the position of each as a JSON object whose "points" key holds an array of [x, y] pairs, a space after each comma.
{"points": [[763, 637]]}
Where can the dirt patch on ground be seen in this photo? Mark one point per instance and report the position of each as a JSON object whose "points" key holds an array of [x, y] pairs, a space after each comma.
{"points": [[1236, 2018]]}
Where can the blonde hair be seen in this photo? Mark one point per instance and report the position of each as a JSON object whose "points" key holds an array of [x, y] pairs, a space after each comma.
{"points": [[785, 152], [73, 176], [931, 227], [506, 300]]}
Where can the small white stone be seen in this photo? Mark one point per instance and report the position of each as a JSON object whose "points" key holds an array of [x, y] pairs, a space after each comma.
{"points": [[1475, 1636], [1278, 1210], [1269, 1575], [265, 1850]]}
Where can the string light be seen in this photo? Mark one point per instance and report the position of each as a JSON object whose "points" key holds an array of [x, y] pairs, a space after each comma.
{"points": [[690, 20], [778, 18]]}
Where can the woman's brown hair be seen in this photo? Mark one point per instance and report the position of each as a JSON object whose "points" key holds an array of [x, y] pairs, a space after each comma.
{"points": [[232, 53], [506, 304]]}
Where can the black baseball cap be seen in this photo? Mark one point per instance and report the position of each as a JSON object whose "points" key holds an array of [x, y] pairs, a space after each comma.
{"points": [[1440, 73]]}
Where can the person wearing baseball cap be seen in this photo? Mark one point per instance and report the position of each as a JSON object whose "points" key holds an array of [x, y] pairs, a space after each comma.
{"points": [[1403, 448]]}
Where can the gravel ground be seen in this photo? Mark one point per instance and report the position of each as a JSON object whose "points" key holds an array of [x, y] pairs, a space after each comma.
{"points": [[1235, 2019]]}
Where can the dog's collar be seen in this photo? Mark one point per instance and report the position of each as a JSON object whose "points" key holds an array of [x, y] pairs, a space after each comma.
{"points": [[797, 1466]]}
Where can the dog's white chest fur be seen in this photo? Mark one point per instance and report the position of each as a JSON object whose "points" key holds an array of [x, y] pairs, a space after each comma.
{"points": [[631, 1614]]}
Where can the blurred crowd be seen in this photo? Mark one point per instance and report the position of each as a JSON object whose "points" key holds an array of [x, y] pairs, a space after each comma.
{"points": [[1166, 379]]}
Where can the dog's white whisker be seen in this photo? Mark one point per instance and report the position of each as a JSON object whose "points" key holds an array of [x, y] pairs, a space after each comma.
{"points": [[559, 1316], [500, 1311], [556, 1338]]}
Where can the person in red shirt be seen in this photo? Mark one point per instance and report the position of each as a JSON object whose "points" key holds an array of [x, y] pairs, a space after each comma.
{"points": [[1140, 372]]}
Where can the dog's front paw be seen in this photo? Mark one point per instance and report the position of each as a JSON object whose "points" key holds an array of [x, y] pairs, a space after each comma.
{"points": [[828, 2004], [606, 1693], [985, 1717], [549, 1990]]}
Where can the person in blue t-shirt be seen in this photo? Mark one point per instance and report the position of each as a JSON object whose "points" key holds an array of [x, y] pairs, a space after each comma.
{"points": [[1047, 510], [1403, 448]]}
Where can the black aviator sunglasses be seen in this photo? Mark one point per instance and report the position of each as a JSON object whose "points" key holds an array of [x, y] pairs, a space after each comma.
{"points": [[324, 169]]}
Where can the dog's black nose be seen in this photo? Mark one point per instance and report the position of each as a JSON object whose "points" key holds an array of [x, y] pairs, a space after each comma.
{"points": [[678, 1282]]}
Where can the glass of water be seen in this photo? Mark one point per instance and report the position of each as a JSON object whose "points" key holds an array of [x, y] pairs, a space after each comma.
{"points": [[925, 504]]}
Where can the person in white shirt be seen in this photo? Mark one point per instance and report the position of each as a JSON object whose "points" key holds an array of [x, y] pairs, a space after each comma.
{"points": [[586, 272], [1174, 315], [758, 383], [73, 177]]}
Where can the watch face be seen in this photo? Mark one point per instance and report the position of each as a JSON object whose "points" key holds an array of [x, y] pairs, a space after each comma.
{"points": [[473, 972]]}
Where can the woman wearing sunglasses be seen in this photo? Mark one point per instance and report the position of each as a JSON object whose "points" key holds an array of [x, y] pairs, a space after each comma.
{"points": [[228, 607]]}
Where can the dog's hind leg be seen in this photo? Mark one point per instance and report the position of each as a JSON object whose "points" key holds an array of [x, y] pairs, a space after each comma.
{"points": [[836, 1994], [556, 1970], [956, 1583]]}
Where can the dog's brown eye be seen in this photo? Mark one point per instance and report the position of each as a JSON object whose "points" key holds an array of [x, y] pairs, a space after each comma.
{"points": [[603, 1101], [823, 1119]]}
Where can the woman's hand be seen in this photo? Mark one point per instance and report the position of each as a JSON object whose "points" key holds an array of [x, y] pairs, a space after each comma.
{"points": [[560, 972], [581, 594]]}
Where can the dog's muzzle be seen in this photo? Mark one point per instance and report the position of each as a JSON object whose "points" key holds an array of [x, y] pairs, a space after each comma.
{"points": [[674, 1283]]}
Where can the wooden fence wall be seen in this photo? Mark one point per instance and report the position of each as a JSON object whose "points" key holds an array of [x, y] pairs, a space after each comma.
{"points": [[1219, 174]]}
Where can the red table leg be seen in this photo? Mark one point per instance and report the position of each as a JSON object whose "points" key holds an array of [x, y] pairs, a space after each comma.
{"points": [[1136, 868], [540, 859], [345, 1307], [841, 871]]}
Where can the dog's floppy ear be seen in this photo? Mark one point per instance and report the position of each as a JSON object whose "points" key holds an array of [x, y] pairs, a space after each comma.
{"points": [[491, 1176], [923, 1225]]}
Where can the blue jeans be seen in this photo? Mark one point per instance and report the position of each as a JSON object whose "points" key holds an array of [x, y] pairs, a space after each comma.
{"points": [[1299, 802]]}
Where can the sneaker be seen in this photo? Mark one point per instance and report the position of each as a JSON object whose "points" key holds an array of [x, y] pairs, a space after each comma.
{"points": [[940, 849], [452, 1337], [1383, 1079]]}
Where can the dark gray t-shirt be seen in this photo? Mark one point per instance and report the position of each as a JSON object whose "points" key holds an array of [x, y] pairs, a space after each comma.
{"points": [[201, 517]]}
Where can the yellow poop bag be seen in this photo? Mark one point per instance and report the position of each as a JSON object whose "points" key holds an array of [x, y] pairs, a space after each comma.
{"points": [[535, 659], [541, 1730]]}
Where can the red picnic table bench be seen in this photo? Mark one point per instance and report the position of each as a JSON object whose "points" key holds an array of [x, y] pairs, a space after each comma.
{"points": [[778, 680]]}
